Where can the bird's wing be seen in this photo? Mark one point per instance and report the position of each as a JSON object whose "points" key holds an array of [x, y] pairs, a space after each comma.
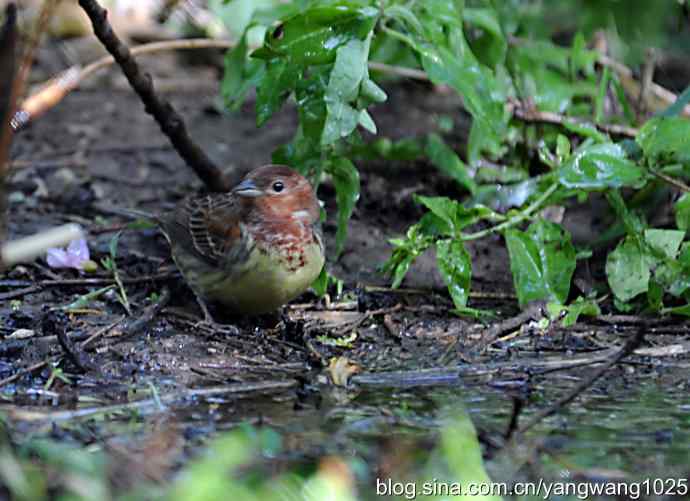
{"points": [[207, 226]]}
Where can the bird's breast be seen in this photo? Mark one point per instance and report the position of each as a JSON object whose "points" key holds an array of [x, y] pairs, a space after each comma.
{"points": [[280, 266]]}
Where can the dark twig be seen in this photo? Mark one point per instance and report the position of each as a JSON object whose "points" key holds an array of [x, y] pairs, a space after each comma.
{"points": [[533, 312], [27, 370], [8, 40], [87, 281], [148, 315], [168, 119], [518, 406], [19, 293], [100, 332], [74, 353], [626, 350], [549, 117]]}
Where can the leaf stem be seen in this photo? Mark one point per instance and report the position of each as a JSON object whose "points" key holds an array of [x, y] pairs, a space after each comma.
{"points": [[399, 36], [536, 205]]}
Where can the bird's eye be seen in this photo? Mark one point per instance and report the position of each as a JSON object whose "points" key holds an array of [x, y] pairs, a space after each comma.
{"points": [[278, 186]]}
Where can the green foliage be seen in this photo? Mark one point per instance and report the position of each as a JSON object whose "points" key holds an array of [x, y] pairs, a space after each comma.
{"points": [[490, 53], [542, 260], [598, 167], [234, 465], [571, 313]]}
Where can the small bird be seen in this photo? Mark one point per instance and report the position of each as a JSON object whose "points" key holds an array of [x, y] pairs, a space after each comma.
{"points": [[252, 249]]}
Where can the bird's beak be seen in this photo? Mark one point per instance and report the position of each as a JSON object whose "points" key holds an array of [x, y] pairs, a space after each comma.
{"points": [[247, 188]]}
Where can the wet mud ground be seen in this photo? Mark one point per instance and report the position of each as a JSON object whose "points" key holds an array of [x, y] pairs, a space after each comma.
{"points": [[408, 359]]}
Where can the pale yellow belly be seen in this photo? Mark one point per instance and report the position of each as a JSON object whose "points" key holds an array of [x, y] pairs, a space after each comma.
{"points": [[264, 283]]}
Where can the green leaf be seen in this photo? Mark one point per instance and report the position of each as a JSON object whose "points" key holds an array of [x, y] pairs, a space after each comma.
{"points": [[348, 73], [655, 294], [405, 16], [586, 129], [323, 281], [634, 225], [399, 264], [463, 453], [665, 242], [237, 15], [310, 93], [481, 93], [346, 181], [454, 215], [542, 261], [627, 269], [678, 310], [274, 88], [682, 212], [240, 75], [678, 105], [571, 313], [320, 285], [448, 162], [581, 59], [372, 92], [598, 167], [562, 148], [602, 95], [665, 139], [406, 250], [455, 266], [491, 46], [314, 36], [537, 80]]}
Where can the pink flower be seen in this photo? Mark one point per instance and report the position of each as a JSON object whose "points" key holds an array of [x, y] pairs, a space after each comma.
{"points": [[73, 257]]}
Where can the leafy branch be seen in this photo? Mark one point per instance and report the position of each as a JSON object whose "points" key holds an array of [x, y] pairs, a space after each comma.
{"points": [[564, 105]]}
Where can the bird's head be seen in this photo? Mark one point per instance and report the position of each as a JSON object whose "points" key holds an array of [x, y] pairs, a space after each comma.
{"points": [[278, 192]]}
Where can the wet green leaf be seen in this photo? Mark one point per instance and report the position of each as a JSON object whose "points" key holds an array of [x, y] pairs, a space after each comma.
{"points": [[343, 86], [678, 310], [371, 91], [448, 162], [454, 215], [482, 95], [399, 264], [665, 242], [366, 121], [405, 250], [314, 36], [324, 281], [586, 129], [312, 111], [455, 265], [666, 139], [274, 88], [491, 46], [598, 167], [240, 75], [569, 314], [627, 269], [346, 181], [547, 87], [542, 261], [634, 225], [682, 211]]}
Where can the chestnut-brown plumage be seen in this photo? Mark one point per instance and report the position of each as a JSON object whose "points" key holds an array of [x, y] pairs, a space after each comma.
{"points": [[252, 249]]}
